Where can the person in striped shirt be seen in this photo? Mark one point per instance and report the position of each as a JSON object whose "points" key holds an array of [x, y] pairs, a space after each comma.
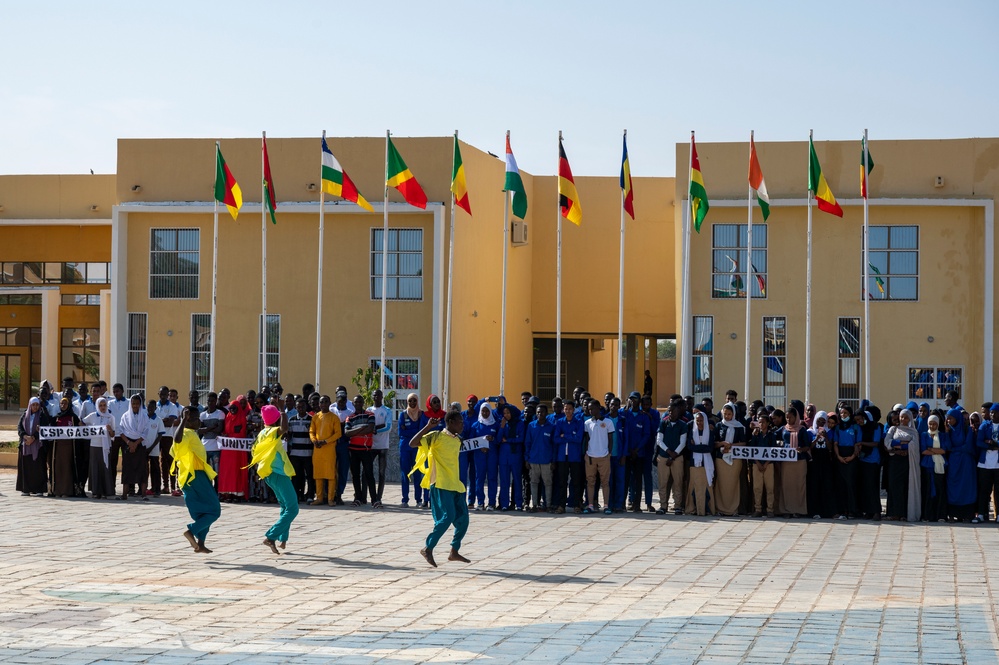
{"points": [[300, 449]]}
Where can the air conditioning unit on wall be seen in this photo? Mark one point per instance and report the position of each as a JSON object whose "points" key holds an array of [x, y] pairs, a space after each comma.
{"points": [[518, 233], [597, 344]]}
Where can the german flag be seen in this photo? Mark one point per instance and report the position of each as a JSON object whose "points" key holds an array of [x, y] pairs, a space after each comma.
{"points": [[568, 198], [226, 188], [398, 175]]}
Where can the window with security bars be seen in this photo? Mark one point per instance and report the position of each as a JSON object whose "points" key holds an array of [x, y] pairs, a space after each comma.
{"points": [[269, 354], [893, 272], [931, 384], [174, 263], [703, 356], [848, 390], [401, 375], [544, 380], [729, 252], [405, 264], [136, 380], [81, 353], [201, 351], [775, 360]]}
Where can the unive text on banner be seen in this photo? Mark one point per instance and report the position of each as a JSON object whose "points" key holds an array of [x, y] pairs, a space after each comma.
{"points": [[761, 454], [229, 443]]}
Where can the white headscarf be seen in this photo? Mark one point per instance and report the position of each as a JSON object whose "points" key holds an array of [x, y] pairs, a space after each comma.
{"points": [[134, 425], [491, 420], [100, 418], [702, 438], [813, 430], [731, 424]]}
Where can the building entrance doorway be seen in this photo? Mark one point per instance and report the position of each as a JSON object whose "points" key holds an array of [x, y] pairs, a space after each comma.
{"points": [[15, 378]]}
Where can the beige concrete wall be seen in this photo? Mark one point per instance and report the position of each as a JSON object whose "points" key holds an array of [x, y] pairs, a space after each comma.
{"points": [[56, 196]]}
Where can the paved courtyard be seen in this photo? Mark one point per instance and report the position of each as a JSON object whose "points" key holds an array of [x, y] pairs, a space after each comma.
{"points": [[103, 581]]}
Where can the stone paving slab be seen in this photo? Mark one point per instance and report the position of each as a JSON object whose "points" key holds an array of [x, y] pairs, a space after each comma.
{"points": [[89, 581]]}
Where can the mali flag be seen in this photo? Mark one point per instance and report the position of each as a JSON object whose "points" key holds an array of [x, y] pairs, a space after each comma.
{"points": [[226, 188], [269, 200], [459, 188], [398, 175], [568, 198], [336, 181], [818, 186], [865, 152], [698, 194]]}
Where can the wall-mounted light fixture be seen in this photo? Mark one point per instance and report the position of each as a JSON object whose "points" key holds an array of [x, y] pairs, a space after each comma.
{"points": [[136, 189], [311, 187]]}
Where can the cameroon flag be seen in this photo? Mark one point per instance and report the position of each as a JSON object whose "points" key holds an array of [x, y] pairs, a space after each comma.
{"points": [[398, 175], [226, 188]]}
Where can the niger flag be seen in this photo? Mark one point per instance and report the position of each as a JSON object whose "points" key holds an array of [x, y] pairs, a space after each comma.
{"points": [[226, 189], [568, 198], [818, 186]]}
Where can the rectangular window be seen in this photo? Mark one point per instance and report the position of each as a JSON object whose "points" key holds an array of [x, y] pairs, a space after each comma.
{"points": [[269, 351], [201, 351], [849, 361], [136, 379], [729, 249], [80, 299], [401, 375], [894, 268], [72, 272], [21, 299], [80, 354], [405, 264], [931, 384], [703, 352], [544, 380], [775, 360], [174, 263]]}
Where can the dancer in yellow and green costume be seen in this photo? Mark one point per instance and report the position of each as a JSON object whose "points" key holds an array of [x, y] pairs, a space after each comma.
{"points": [[194, 477], [275, 468], [437, 460]]}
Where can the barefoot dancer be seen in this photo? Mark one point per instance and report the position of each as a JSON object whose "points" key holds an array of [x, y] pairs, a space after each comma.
{"points": [[194, 477], [437, 459], [275, 468]]}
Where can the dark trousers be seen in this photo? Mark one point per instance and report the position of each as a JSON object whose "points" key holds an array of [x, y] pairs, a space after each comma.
{"points": [[577, 481], [934, 495], [560, 480], [153, 475], [113, 455], [380, 456], [361, 462], [846, 489], [988, 484], [81, 461], [342, 466], [870, 488], [166, 461], [303, 482], [633, 480]]}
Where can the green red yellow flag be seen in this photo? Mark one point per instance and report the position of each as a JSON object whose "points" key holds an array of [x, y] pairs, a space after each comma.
{"points": [[336, 181], [226, 188], [818, 186], [398, 175], [865, 155], [459, 188], [568, 198], [269, 196], [698, 193]]}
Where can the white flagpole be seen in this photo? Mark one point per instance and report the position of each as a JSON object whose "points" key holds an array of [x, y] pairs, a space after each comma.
{"points": [[262, 357], [558, 292], [385, 230], [808, 288], [749, 277], [686, 359], [319, 286], [867, 295], [620, 301], [450, 286], [215, 283], [506, 251]]}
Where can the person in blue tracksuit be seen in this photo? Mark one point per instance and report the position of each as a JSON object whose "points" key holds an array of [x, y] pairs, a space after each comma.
{"points": [[988, 464], [487, 426], [962, 481], [619, 447], [466, 461], [934, 444], [510, 441], [539, 452], [650, 448], [639, 432], [411, 421], [492, 455], [568, 438]]}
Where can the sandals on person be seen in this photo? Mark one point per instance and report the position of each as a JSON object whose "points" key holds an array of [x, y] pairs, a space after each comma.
{"points": [[355, 504]]}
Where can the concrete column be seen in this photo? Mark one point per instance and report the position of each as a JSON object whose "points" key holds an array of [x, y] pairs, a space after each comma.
{"points": [[51, 337], [631, 342], [117, 350], [104, 365], [654, 367]]}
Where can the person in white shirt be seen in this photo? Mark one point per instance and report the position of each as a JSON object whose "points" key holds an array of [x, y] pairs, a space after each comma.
{"points": [[342, 408], [169, 413], [152, 444], [599, 430], [83, 406], [212, 424], [380, 443], [99, 474], [117, 406]]}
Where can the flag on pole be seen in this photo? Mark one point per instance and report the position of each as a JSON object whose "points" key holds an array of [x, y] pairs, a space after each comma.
{"points": [[514, 183], [760, 281], [818, 186], [737, 283], [756, 180], [268, 184], [698, 194], [877, 278], [226, 188], [459, 188], [336, 181], [398, 175], [629, 194], [865, 149], [568, 198]]}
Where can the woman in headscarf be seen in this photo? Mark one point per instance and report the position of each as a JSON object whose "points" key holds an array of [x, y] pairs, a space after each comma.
{"points": [[411, 421], [933, 447], [820, 484], [133, 428], [904, 496], [234, 481], [702, 469], [101, 484], [730, 432], [846, 444], [275, 468], [63, 452], [31, 477], [962, 480], [510, 444], [485, 426], [793, 475]]}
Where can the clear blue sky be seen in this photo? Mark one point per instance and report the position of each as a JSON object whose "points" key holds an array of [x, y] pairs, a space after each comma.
{"points": [[77, 76]]}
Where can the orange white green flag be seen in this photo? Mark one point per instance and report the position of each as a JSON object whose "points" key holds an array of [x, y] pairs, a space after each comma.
{"points": [[818, 186], [756, 180]]}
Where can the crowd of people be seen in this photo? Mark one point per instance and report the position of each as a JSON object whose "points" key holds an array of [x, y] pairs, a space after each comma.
{"points": [[579, 455]]}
